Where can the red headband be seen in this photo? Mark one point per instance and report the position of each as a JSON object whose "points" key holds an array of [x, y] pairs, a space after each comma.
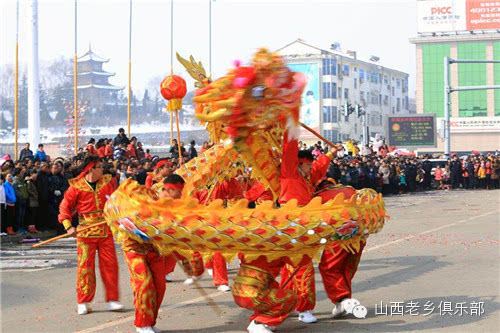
{"points": [[304, 160], [178, 186], [161, 163], [87, 169]]}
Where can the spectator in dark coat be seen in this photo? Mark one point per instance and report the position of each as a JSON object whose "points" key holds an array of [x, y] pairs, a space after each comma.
{"points": [[121, 138], [455, 172], [26, 152], [57, 186], [42, 187], [427, 167], [192, 150]]}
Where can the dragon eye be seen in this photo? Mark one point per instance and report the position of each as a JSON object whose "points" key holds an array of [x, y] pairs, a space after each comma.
{"points": [[258, 92]]}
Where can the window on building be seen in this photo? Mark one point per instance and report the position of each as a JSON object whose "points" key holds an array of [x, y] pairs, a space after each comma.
{"points": [[355, 83], [380, 99], [386, 99], [380, 78], [339, 92], [393, 91], [367, 75], [346, 93], [407, 107], [339, 69], [334, 90], [474, 103], [346, 70], [355, 69], [398, 104], [326, 90], [330, 114], [356, 128], [333, 67], [393, 109], [380, 120], [362, 95], [374, 77], [327, 112], [326, 66], [433, 77], [361, 73], [386, 79], [398, 83], [331, 135]]}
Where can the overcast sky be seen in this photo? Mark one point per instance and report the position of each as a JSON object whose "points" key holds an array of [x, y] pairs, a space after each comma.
{"points": [[370, 27]]}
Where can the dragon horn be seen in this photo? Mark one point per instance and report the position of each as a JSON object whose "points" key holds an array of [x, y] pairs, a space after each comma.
{"points": [[213, 116]]}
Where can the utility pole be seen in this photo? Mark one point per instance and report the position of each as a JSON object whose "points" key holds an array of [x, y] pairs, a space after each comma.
{"points": [[449, 89]]}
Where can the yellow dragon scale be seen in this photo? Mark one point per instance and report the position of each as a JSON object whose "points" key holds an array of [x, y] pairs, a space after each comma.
{"points": [[184, 225]]}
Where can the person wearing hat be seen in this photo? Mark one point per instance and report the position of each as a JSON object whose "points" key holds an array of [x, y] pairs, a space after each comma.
{"points": [[87, 195], [147, 268]]}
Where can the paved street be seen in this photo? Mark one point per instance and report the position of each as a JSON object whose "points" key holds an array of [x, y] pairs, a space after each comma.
{"points": [[438, 255]]}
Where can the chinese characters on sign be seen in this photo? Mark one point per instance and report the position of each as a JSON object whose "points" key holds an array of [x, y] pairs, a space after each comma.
{"points": [[444, 308], [483, 14], [412, 131], [475, 124]]}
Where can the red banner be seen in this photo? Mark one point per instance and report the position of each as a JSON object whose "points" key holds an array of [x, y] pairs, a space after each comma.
{"points": [[483, 14]]}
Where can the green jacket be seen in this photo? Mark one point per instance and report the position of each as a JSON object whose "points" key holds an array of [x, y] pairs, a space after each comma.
{"points": [[21, 189]]}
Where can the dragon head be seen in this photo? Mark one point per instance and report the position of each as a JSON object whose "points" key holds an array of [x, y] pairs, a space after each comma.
{"points": [[258, 97]]}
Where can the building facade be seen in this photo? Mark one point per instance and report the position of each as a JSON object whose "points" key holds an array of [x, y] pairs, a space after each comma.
{"points": [[341, 78], [93, 85], [463, 30]]}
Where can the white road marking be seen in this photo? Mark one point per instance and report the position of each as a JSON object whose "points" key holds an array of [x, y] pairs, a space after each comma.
{"points": [[26, 270], [376, 247], [162, 309]]}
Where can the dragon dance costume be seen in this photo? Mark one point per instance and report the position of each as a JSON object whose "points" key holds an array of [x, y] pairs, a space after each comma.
{"points": [[89, 203], [255, 287], [247, 112]]}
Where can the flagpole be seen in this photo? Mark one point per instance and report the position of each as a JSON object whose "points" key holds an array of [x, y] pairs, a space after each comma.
{"points": [[129, 69], [16, 85], [75, 103], [171, 37]]}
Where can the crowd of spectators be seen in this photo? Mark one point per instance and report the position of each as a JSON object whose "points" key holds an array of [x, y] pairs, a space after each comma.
{"points": [[32, 188]]}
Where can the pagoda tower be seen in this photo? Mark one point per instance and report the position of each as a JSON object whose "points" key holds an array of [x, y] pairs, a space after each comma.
{"points": [[93, 85]]}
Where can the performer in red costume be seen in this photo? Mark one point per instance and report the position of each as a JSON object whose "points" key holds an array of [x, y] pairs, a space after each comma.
{"points": [[255, 287], [298, 176], [161, 169], [338, 266], [87, 195], [147, 269]]}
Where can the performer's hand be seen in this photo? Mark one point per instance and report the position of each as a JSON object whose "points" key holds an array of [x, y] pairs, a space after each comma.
{"points": [[334, 150], [71, 232]]}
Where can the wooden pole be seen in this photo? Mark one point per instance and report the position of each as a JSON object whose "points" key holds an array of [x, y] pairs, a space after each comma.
{"points": [[319, 135], [171, 128], [16, 84], [129, 69], [178, 137], [67, 235]]}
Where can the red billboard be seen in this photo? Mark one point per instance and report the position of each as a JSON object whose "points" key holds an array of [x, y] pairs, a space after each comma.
{"points": [[482, 14]]}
